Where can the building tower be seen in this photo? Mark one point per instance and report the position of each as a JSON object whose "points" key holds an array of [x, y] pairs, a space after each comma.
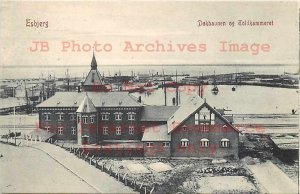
{"points": [[94, 81], [87, 125]]}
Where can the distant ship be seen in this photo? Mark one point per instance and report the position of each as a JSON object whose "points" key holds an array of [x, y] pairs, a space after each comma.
{"points": [[150, 86], [215, 89]]}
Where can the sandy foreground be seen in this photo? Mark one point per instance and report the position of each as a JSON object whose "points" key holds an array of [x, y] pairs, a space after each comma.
{"points": [[25, 169]]}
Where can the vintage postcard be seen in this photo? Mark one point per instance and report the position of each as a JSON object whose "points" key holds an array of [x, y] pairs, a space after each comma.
{"points": [[149, 97]]}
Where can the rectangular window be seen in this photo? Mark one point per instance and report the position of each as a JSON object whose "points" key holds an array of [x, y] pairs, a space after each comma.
{"points": [[149, 144], [78, 119], [84, 120], [60, 117], [105, 130], [47, 117], [131, 116], [196, 119], [60, 131], [184, 143], [118, 116], [92, 119], [72, 117], [105, 116], [166, 144], [118, 130], [212, 118], [73, 130], [204, 144], [131, 130]]}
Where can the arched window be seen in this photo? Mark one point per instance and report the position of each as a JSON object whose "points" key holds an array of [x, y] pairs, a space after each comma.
{"points": [[204, 143], [225, 128], [184, 143], [225, 143]]}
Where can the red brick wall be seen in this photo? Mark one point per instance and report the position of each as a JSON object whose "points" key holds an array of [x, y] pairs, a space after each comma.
{"points": [[214, 135]]}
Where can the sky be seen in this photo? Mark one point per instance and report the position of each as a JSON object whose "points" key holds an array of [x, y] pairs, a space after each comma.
{"points": [[115, 23]]}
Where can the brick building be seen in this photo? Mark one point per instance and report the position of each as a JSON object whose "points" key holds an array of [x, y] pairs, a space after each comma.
{"points": [[118, 119]]}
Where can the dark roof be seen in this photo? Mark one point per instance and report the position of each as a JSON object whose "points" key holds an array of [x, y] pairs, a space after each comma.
{"points": [[99, 99], [86, 106], [157, 113]]}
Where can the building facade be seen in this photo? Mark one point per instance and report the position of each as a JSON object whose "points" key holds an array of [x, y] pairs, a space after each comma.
{"points": [[111, 119]]}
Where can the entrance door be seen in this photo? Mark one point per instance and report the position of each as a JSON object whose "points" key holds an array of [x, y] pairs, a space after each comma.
{"points": [[84, 140]]}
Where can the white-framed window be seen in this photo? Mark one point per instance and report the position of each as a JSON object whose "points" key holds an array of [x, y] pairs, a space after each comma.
{"points": [[204, 114], [196, 119], [73, 130], [166, 144], [131, 116], [47, 116], [131, 130], [72, 117], [224, 143], [60, 131], [105, 130], [118, 116], [184, 143], [92, 119], [85, 119], [204, 143], [118, 130], [149, 144], [60, 116], [212, 118], [47, 129], [105, 116]]}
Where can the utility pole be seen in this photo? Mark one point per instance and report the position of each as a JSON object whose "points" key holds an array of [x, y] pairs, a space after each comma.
{"points": [[15, 134], [165, 89], [176, 89]]}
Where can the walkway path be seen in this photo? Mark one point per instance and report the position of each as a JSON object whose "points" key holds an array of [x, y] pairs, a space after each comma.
{"points": [[99, 180], [272, 178], [28, 170]]}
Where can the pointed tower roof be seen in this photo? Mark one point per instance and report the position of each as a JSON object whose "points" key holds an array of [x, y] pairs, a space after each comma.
{"points": [[86, 106], [94, 77], [94, 63]]}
